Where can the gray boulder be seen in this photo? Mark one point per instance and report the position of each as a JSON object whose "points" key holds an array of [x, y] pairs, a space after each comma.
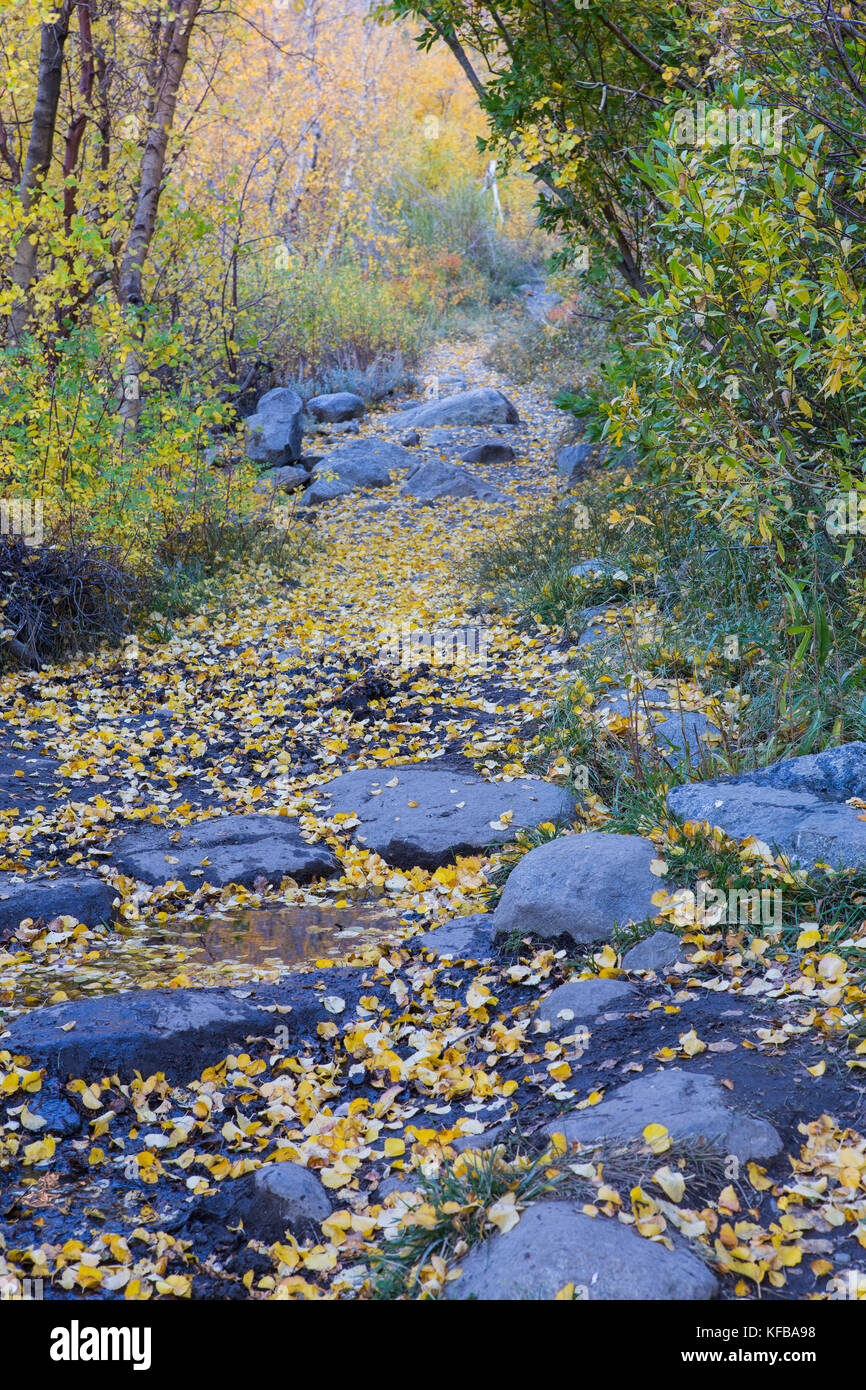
{"points": [[598, 629], [237, 849], [287, 478], [681, 733], [324, 490], [276, 1198], [336, 407], [797, 805], [83, 896], [465, 938], [580, 1001], [592, 569], [657, 952], [481, 406], [274, 433], [553, 1245], [581, 886], [437, 479], [576, 460], [490, 452], [454, 813], [690, 1105], [364, 463]]}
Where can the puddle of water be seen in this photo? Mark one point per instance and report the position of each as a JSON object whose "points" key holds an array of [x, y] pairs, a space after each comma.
{"points": [[249, 945], [289, 935]]}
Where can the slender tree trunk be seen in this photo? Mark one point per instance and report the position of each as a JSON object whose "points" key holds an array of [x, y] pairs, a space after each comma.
{"points": [[38, 159], [174, 53]]}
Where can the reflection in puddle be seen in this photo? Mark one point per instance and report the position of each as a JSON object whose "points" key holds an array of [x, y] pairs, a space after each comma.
{"points": [[289, 935], [229, 949]]}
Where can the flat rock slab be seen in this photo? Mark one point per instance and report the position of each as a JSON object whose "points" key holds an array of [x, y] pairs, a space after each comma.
{"points": [[429, 815], [26, 779], [467, 938], [481, 406], [796, 805], [276, 1198], [177, 1031], [227, 849], [580, 1001], [690, 1105], [582, 886], [82, 896], [657, 952], [553, 1245]]}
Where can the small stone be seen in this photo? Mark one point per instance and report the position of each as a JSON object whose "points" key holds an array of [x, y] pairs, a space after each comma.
{"points": [[395, 1182], [490, 452], [276, 1198], [576, 460], [656, 952], [324, 490], [287, 478]]}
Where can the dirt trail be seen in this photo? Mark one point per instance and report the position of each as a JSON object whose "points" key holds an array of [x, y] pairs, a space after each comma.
{"points": [[254, 708], [362, 1060]]}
